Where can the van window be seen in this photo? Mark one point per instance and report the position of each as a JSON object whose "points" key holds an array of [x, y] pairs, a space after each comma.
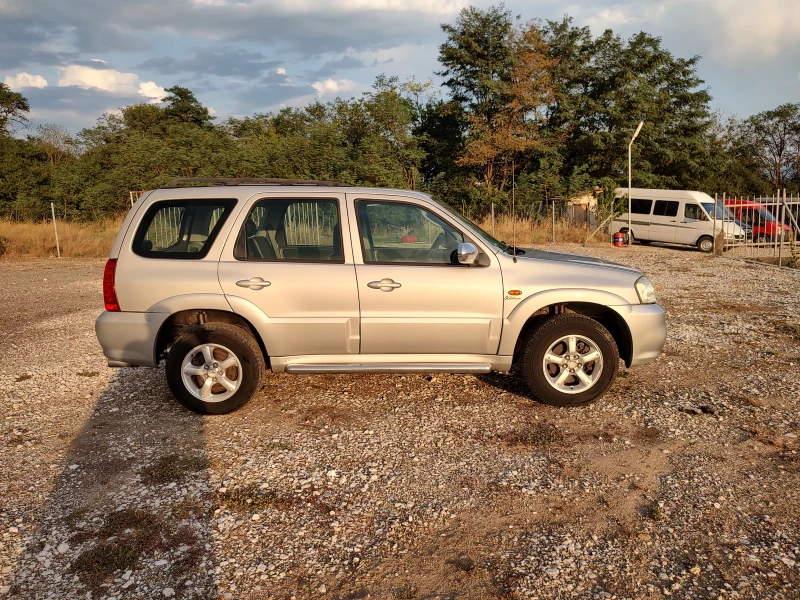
{"points": [[693, 211], [641, 207], [181, 228], [666, 208]]}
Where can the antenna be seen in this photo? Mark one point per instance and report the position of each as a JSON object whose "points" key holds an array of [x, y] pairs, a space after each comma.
{"points": [[513, 213]]}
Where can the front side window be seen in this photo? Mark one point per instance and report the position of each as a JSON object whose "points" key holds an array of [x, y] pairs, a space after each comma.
{"points": [[666, 208], [640, 206], [395, 232], [184, 229], [694, 212], [300, 230]]}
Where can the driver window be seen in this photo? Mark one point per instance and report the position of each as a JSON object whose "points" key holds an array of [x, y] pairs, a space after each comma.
{"points": [[394, 232]]}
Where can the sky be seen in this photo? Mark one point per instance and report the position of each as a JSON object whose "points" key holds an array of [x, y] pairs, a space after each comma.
{"points": [[76, 59]]}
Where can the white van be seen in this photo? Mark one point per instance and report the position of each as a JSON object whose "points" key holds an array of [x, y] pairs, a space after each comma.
{"points": [[676, 217]]}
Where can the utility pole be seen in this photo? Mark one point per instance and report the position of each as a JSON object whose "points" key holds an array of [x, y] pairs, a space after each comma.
{"points": [[636, 133]]}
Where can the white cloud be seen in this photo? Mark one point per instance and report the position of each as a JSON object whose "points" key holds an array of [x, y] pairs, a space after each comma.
{"points": [[433, 7], [612, 18], [110, 80], [98, 60], [212, 111], [149, 89], [281, 71], [331, 86], [25, 80]]}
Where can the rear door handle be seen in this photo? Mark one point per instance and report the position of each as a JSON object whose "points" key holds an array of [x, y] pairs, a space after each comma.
{"points": [[254, 283], [384, 285]]}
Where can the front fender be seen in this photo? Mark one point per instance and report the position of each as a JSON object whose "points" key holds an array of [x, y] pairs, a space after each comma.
{"points": [[516, 319]]}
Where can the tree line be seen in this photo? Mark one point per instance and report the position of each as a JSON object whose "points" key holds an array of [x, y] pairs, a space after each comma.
{"points": [[544, 106]]}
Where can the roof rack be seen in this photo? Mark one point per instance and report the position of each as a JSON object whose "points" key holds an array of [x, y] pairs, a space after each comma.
{"points": [[226, 181]]}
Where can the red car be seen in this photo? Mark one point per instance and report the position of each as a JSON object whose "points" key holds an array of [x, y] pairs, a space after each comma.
{"points": [[765, 226]]}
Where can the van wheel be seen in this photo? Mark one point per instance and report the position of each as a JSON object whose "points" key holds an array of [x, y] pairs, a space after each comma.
{"points": [[569, 360], [214, 368], [705, 244]]}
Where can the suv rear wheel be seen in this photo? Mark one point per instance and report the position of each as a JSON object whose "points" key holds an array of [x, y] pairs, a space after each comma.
{"points": [[214, 368], [569, 360]]}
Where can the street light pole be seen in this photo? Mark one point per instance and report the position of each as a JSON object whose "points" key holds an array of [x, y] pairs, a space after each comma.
{"points": [[638, 129]]}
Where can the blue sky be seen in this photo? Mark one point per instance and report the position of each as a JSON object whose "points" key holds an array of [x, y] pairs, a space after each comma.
{"points": [[76, 59]]}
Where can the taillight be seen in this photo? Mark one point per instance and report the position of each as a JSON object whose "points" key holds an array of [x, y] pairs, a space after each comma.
{"points": [[109, 291]]}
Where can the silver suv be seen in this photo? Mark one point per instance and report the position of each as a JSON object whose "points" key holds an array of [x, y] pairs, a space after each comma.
{"points": [[222, 278]]}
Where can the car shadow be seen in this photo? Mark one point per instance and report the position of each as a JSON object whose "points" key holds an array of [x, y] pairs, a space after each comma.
{"points": [[130, 513]]}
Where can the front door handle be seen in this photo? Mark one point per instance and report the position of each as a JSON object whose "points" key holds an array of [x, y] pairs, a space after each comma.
{"points": [[384, 285], [254, 283]]}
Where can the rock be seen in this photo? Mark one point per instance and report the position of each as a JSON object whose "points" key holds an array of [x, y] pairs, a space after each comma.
{"points": [[695, 570], [62, 547], [167, 592], [552, 572], [322, 589]]}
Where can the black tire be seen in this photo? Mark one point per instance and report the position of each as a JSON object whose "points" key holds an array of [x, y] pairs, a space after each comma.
{"points": [[240, 343], [705, 244], [543, 337]]}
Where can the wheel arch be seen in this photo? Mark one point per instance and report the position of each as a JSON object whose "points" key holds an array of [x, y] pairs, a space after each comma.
{"points": [[178, 322], [607, 317]]}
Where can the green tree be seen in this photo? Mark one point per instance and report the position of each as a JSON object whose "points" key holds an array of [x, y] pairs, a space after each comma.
{"points": [[14, 109], [182, 105]]}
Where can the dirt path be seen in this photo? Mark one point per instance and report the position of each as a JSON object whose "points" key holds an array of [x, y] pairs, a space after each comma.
{"points": [[684, 480]]}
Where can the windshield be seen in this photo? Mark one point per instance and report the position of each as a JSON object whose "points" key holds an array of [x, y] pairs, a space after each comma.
{"points": [[765, 215], [487, 237], [722, 212]]}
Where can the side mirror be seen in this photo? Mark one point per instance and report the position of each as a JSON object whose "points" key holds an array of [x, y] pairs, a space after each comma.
{"points": [[467, 253]]}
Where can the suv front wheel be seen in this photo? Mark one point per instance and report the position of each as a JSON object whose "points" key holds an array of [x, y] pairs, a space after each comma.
{"points": [[214, 368], [569, 360]]}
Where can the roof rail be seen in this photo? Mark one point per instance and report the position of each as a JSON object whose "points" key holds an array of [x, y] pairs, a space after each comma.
{"points": [[226, 181]]}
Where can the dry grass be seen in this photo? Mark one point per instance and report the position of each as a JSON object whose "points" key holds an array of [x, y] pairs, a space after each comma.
{"points": [[91, 240], [530, 232], [94, 240]]}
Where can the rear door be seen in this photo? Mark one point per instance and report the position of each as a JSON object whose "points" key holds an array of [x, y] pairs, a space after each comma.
{"points": [[286, 256], [415, 297], [664, 221]]}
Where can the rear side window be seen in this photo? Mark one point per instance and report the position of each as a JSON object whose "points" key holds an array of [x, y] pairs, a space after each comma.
{"points": [[294, 230], [184, 229], [666, 208], [641, 207]]}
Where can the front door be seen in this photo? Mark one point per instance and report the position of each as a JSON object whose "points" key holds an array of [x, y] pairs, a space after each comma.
{"points": [[289, 259], [415, 297], [694, 223]]}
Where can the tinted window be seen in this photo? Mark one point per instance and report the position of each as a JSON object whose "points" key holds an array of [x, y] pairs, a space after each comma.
{"points": [[291, 230], [181, 228], [666, 208], [641, 207], [394, 232]]}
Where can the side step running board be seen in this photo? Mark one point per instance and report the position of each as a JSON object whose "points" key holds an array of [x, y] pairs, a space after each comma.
{"points": [[305, 369]]}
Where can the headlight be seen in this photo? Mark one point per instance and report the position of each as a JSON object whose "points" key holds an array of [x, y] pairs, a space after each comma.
{"points": [[646, 291]]}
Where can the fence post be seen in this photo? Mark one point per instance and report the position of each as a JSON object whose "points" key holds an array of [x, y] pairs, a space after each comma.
{"points": [[779, 232], [554, 221], [492, 219], [716, 208], [55, 227]]}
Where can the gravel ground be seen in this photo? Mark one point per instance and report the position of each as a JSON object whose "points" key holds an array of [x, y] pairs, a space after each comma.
{"points": [[683, 480]]}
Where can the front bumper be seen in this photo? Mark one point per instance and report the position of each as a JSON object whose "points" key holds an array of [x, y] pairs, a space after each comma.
{"points": [[648, 327], [129, 338]]}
